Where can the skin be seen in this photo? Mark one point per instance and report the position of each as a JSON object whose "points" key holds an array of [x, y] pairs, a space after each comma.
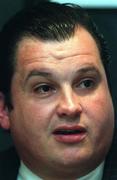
{"points": [[60, 84]]}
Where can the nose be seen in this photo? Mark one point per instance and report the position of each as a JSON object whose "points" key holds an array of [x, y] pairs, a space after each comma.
{"points": [[69, 105]]}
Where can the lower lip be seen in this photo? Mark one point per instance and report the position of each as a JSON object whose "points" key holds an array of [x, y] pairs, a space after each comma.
{"points": [[71, 139]]}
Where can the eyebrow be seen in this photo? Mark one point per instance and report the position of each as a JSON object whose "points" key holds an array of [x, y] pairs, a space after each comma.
{"points": [[36, 72], [45, 73], [88, 69]]}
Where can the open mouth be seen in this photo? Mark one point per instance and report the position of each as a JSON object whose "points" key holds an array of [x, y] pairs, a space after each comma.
{"points": [[67, 131], [73, 134]]}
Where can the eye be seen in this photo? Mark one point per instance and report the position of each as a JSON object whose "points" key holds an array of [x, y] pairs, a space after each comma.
{"points": [[86, 84], [44, 90]]}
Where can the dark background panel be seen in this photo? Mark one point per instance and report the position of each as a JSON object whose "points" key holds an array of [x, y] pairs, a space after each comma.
{"points": [[107, 22], [9, 8]]}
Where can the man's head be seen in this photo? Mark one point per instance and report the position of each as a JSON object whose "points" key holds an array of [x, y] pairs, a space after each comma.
{"points": [[59, 104], [45, 22]]}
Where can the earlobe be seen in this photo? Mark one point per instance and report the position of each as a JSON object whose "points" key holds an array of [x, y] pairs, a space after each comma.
{"points": [[4, 117]]}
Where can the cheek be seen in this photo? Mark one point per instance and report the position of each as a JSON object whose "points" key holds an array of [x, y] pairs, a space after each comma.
{"points": [[28, 124], [37, 115], [100, 113], [99, 117]]}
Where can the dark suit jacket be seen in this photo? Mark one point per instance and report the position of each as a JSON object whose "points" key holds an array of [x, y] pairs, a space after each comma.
{"points": [[9, 164]]}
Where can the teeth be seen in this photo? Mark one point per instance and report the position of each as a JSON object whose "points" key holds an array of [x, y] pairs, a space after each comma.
{"points": [[67, 132]]}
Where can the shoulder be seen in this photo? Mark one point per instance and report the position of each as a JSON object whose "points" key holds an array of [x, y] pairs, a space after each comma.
{"points": [[9, 164]]}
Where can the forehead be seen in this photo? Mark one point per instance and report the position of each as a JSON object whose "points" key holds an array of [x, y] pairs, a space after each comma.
{"points": [[81, 46]]}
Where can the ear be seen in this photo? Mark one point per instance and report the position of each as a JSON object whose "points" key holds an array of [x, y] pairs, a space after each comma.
{"points": [[4, 117]]}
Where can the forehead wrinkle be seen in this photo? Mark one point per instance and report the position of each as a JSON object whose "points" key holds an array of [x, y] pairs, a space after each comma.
{"points": [[66, 53], [55, 59]]}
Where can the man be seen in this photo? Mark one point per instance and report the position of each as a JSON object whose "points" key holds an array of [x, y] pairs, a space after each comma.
{"points": [[55, 97]]}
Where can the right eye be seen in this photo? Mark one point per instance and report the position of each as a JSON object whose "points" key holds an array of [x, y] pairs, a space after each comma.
{"points": [[87, 84], [44, 90]]}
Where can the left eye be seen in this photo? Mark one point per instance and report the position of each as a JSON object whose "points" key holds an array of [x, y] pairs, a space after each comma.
{"points": [[86, 84], [44, 89]]}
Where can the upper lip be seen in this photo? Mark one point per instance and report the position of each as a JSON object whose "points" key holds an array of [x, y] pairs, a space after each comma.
{"points": [[65, 129]]}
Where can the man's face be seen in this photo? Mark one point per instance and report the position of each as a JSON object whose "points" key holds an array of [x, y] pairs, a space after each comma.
{"points": [[63, 116]]}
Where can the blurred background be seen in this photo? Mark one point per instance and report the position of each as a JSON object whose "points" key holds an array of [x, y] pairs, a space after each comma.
{"points": [[104, 14]]}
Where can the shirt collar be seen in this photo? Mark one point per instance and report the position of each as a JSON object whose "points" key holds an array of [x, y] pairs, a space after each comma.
{"points": [[95, 174], [27, 174]]}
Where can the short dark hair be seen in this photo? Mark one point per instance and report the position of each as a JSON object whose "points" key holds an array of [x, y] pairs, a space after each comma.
{"points": [[45, 21]]}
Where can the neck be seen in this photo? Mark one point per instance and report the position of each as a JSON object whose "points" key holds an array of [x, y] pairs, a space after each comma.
{"points": [[65, 173]]}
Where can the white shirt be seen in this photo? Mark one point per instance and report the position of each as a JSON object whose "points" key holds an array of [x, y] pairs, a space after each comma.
{"points": [[27, 174]]}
